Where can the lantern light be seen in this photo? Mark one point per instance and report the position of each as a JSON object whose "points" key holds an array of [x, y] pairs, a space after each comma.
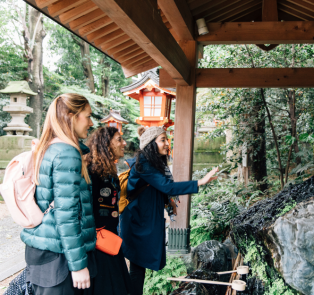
{"points": [[202, 27]]}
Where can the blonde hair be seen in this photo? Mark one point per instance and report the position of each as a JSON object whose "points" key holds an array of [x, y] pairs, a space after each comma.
{"points": [[59, 123]]}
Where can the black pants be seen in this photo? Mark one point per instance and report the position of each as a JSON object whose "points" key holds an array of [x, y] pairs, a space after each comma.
{"points": [[137, 274], [65, 288]]}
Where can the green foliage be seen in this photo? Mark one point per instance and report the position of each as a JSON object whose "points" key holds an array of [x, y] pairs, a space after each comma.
{"points": [[156, 282], [287, 208], [274, 284], [240, 110], [101, 107]]}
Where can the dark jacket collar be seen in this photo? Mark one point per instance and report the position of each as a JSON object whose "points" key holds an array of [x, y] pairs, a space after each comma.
{"points": [[85, 149]]}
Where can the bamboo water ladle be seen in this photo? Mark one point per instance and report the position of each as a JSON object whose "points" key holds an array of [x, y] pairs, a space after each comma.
{"points": [[237, 285], [241, 270]]}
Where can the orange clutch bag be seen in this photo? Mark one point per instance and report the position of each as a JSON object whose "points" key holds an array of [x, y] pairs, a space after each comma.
{"points": [[108, 242]]}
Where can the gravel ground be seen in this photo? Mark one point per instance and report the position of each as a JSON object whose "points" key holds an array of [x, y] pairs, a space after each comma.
{"points": [[10, 242]]}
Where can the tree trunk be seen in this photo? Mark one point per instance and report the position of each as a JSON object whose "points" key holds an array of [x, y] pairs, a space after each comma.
{"points": [[86, 63], [259, 168], [104, 77], [35, 68]]}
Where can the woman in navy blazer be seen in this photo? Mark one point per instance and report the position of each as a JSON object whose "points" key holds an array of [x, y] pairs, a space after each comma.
{"points": [[142, 224]]}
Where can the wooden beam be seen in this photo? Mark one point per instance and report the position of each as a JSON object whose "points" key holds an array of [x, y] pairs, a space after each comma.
{"points": [[247, 78], [293, 32], [255, 78], [294, 12], [115, 42], [253, 11], [77, 12], [184, 135], [43, 3], [142, 68], [309, 5], [179, 16], [298, 9], [270, 11], [102, 32], [62, 6], [131, 55], [215, 6], [135, 61], [86, 19], [94, 26], [106, 39], [248, 5], [121, 47], [165, 80], [146, 28], [126, 51]]}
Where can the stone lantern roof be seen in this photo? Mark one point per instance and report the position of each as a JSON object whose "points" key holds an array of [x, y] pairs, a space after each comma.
{"points": [[18, 87], [114, 116]]}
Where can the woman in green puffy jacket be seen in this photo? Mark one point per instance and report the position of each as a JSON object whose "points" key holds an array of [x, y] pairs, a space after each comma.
{"points": [[60, 251]]}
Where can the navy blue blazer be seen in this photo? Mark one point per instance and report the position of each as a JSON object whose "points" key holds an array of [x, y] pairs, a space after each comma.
{"points": [[142, 224]]}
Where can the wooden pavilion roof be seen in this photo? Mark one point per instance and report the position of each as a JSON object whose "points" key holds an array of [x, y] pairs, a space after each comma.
{"points": [[143, 34]]}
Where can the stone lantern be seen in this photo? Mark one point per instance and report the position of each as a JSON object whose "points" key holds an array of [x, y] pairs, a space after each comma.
{"points": [[17, 139], [19, 92]]}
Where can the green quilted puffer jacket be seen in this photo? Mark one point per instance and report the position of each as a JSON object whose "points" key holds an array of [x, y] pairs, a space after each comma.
{"points": [[69, 228]]}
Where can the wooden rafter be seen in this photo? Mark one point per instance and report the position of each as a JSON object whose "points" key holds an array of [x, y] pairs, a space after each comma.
{"points": [[63, 6], [147, 29], [255, 10], [86, 19], [308, 5], [94, 26], [293, 32], [109, 37], [115, 42], [131, 55], [127, 51], [195, 4], [298, 9], [77, 12], [121, 47], [179, 17], [142, 68], [294, 12], [134, 59], [248, 5], [216, 6], [45, 3], [102, 32]]}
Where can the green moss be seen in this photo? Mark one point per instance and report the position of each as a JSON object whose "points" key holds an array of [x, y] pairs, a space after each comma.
{"points": [[287, 208], [255, 256]]}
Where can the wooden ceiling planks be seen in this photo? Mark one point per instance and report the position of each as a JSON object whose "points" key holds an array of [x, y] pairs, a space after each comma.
{"points": [[63, 6], [234, 10], [87, 20], [77, 12]]}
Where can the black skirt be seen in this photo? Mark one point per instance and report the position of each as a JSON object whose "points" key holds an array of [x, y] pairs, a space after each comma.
{"points": [[112, 276]]}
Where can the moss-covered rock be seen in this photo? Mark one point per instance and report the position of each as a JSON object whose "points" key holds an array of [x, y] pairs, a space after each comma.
{"points": [[277, 238]]}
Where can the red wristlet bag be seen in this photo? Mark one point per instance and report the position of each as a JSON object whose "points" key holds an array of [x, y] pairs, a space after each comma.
{"points": [[107, 241]]}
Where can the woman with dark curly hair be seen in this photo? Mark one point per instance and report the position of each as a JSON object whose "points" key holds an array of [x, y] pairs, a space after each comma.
{"points": [[142, 222], [106, 147]]}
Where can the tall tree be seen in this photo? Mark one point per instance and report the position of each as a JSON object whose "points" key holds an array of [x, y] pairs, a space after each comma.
{"points": [[30, 24], [86, 63]]}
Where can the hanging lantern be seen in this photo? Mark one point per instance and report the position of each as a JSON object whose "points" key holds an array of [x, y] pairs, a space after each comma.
{"points": [[114, 119], [155, 101]]}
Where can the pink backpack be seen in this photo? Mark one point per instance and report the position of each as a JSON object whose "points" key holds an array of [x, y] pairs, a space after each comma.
{"points": [[18, 189]]}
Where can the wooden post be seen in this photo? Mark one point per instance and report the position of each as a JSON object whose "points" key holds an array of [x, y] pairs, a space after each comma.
{"points": [[183, 141]]}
